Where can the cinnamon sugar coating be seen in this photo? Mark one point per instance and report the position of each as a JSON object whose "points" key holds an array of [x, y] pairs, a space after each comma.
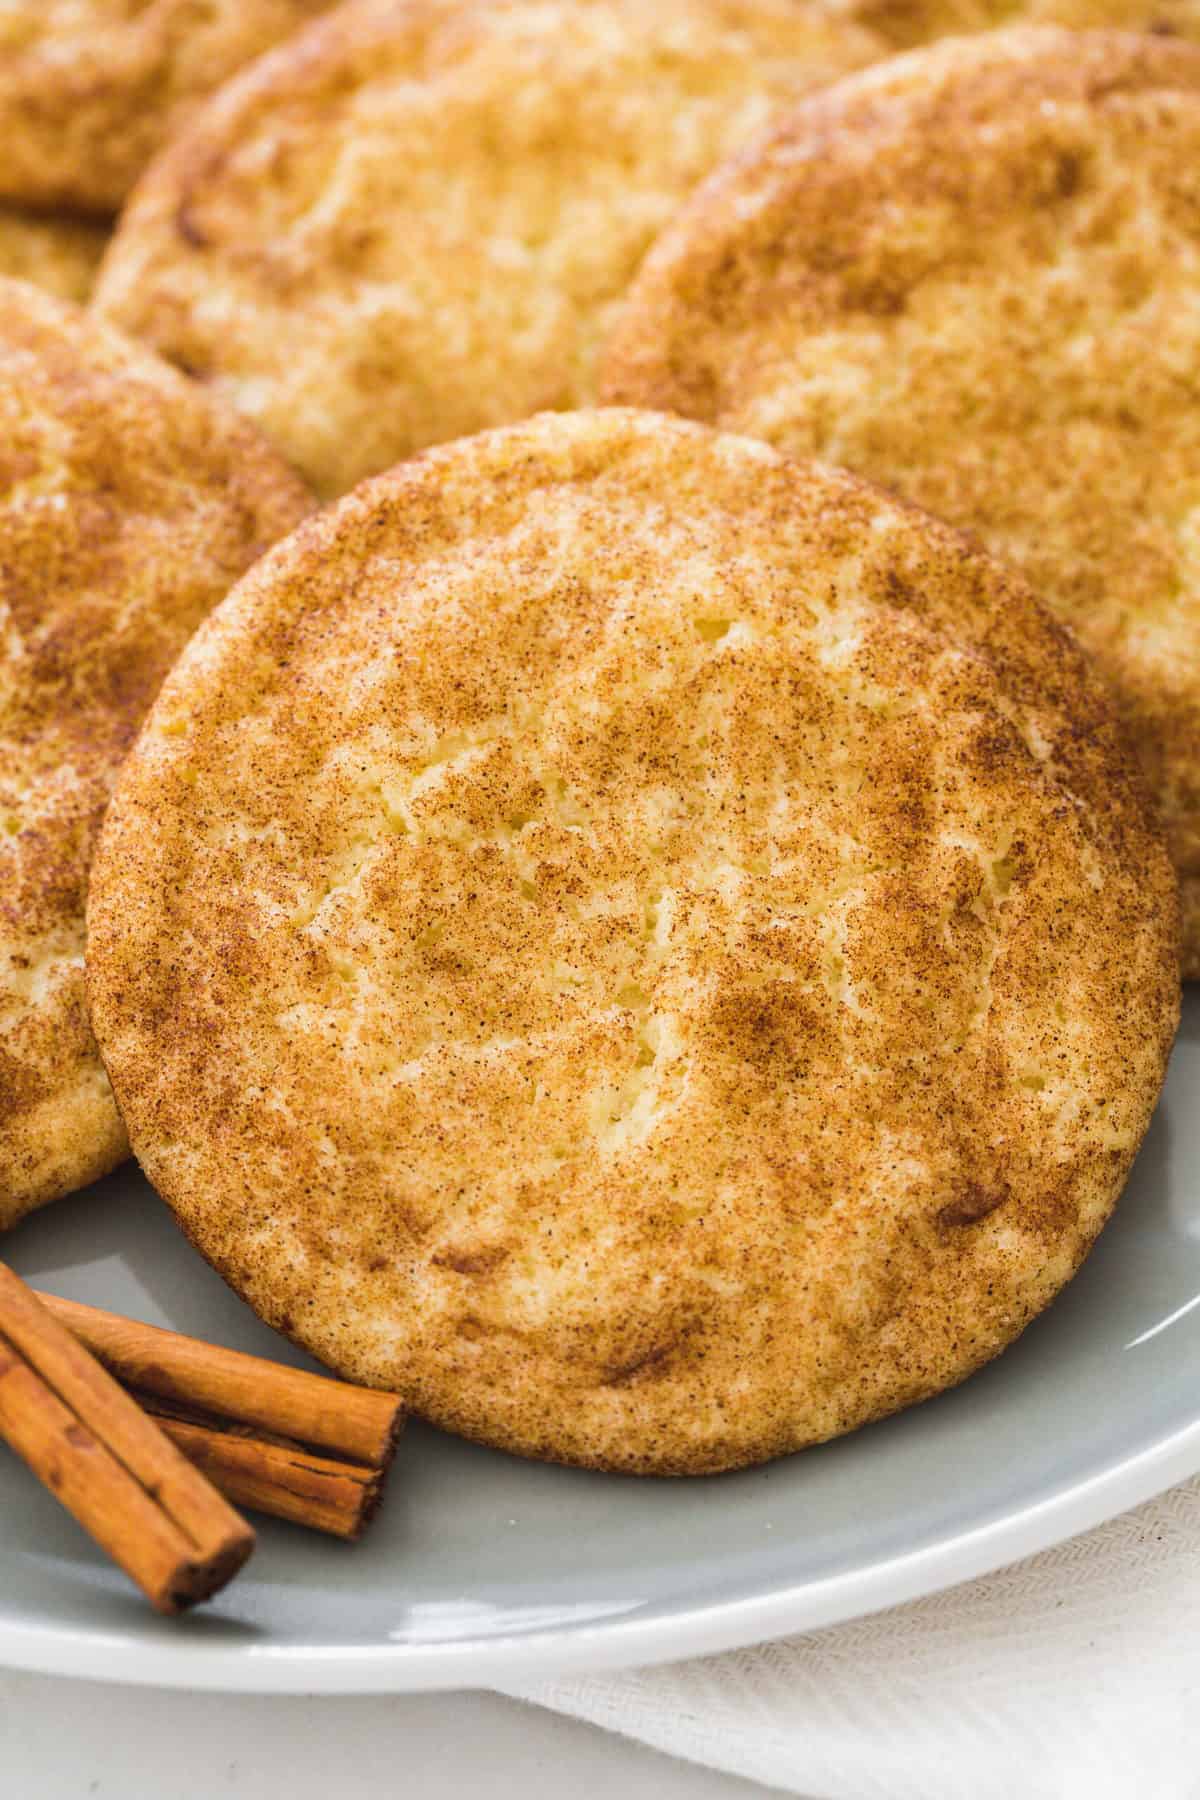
{"points": [[414, 220], [89, 89], [129, 503], [971, 274], [653, 950]]}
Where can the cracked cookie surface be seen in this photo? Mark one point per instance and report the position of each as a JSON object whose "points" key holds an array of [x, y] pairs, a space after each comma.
{"points": [[653, 950], [89, 89], [971, 275], [129, 503], [415, 219]]}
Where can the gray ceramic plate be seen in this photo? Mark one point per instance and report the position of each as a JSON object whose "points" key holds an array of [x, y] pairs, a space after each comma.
{"points": [[486, 1570]]}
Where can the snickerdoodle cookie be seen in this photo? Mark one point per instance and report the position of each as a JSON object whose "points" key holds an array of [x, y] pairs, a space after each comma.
{"points": [[89, 89], [973, 275], [415, 219], [129, 503], [653, 949]]}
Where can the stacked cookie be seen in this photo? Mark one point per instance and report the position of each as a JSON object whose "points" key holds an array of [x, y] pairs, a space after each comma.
{"points": [[417, 220], [972, 275], [88, 93], [641, 938], [130, 504]]}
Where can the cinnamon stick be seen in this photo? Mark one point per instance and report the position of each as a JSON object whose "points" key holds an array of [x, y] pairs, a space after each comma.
{"points": [[302, 1447], [275, 1476], [108, 1463], [356, 1423]]}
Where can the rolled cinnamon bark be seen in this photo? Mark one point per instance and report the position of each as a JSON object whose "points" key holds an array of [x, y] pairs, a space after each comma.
{"points": [[356, 1424], [301, 1447], [108, 1463], [274, 1475]]}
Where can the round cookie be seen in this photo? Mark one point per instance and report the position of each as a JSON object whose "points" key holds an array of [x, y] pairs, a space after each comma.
{"points": [[654, 950], [414, 220], [972, 276], [129, 503], [57, 253], [89, 89], [906, 24]]}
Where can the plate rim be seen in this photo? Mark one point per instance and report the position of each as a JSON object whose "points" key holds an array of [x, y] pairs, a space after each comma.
{"points": [[508, 1662]]}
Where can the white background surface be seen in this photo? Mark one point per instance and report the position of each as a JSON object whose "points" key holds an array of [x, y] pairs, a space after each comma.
{"points": [[75, 1740]]}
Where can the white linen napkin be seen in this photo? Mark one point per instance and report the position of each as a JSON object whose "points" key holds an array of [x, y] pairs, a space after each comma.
{"points": [[1074, 1675]]}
